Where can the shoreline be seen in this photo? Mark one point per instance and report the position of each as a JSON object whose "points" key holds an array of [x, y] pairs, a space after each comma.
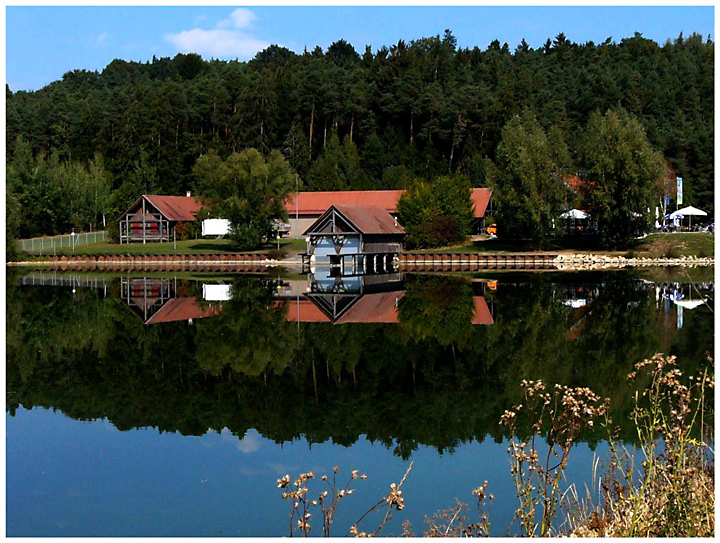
{"points": [[413, 261]]}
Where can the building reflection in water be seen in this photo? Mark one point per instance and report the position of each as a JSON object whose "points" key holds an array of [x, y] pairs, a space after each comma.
{"points": [[324, 296]]}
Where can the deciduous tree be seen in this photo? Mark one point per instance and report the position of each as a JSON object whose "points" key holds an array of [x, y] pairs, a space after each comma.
{"points": [[248, 189], [623, 172]]}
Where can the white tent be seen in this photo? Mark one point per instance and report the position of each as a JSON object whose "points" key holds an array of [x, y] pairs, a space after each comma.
{"points": [[574, 214], [689, 304], [688, 211]]}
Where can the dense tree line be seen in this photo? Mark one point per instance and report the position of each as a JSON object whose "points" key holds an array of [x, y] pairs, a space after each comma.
{"points": [[370, 120], [432, 379]]}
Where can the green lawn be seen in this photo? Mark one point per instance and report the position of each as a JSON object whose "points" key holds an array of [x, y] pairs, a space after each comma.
{"points": [[655, 245], [675, 245], [195, 246]]}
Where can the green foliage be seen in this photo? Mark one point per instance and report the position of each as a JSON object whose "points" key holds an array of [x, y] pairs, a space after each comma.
{"points": [[439, 309], [527, 185], [438, 213], [623, 172], [418, 109], [50, 196], [247, 189]]}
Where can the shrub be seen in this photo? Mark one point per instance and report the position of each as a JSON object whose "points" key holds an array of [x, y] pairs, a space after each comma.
{"points": [[277, 254]]}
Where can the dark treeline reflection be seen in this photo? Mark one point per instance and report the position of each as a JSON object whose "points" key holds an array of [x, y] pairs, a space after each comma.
{"points": [[433, 378]]}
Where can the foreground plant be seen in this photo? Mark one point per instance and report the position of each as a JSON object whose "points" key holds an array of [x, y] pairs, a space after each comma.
{"points": [[327, 502], [667, 490], [559, 417]]}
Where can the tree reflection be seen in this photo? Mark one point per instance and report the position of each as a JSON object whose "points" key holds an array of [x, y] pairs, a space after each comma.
{"points": [[250, 336], [434, 379]]}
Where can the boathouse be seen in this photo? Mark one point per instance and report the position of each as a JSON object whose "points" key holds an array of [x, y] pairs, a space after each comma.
{"points": [[364, 237], [154, 218]]}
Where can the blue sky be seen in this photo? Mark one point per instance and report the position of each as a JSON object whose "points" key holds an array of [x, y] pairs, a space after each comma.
{"points": [[42, 43]]}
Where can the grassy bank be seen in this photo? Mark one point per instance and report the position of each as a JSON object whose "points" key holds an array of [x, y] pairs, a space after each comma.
{"points": [[653, 246], [194, 246]]}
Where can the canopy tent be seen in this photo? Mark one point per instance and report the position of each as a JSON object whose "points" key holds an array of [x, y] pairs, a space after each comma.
{"points": [[688, 211], [689, 304], [574, 214]]}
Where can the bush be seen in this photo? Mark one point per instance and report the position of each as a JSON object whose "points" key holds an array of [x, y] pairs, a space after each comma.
{"points": [[277, 254]]}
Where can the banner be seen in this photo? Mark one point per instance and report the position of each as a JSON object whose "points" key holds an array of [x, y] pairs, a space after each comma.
{"points": [[679, 191]]}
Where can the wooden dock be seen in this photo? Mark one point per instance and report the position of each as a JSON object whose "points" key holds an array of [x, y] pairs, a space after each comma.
{"points": [[443, 262]]}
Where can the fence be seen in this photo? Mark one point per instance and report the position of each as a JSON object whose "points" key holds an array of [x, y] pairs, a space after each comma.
{"points": [[48, 245]]}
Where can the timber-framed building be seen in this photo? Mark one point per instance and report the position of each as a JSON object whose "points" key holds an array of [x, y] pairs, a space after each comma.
{"points": [[154, 218]]}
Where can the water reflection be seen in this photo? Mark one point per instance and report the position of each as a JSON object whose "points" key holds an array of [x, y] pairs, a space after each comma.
{"points": [[284, 374], [412, 359]]}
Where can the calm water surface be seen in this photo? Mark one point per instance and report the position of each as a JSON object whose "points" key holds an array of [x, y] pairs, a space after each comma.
{"points": [[165, 405]]}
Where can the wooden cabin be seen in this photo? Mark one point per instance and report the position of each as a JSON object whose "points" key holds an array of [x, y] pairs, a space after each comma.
{"points": [[154, 218]]}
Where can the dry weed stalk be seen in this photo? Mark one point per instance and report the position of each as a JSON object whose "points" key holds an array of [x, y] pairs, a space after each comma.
{"points": [[328, 501], [560, 417], [669, 492], [452, 522]]}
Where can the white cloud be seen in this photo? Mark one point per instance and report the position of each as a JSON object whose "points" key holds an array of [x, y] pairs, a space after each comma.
{"points": [[227, 40], [251, 442], [102, 37], [242, 18]]}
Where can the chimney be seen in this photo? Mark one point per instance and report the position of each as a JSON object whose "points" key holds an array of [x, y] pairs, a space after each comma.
{"points": [[395, 221], [187, 194]]}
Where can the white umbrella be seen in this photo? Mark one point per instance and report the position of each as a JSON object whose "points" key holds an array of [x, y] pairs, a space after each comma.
{"points": [[574, 214]]}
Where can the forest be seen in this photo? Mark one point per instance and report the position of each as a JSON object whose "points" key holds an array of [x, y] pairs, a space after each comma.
{"points": [[83, 148]]}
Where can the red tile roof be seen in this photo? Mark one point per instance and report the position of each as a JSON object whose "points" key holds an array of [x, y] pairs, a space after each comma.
{"points": [[316, 203], [373, 308], [175, 208], [482, 312], [182, 309], [369, 219], [305, 310], [481, 198]]}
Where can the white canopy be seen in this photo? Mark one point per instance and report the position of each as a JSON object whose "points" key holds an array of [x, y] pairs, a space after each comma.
{"points": [[689, 304], [689, 210], [575, 303], [574, 214]]}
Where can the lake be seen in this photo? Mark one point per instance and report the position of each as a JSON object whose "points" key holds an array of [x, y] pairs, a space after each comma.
{"points": [[170, 404]]}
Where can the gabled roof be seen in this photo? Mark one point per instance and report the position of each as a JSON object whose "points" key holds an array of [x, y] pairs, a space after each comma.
{"points": [[373, 308], [176, 208], [316, 203], [173, 208], [182, 309], [482, 313], [481, 198], [365, 219]]}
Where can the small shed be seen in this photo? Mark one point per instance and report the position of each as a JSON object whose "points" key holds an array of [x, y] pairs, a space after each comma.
{"points": [[360, 232], [153, 218]]}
